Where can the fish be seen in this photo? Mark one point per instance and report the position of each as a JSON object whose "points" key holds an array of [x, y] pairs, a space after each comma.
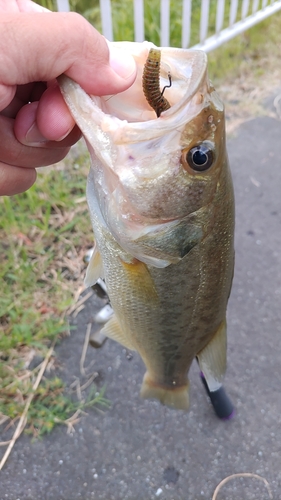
{"points": [[161, 202]]}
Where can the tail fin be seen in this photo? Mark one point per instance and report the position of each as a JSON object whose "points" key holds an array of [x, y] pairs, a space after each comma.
{"points": [[174, 397]]}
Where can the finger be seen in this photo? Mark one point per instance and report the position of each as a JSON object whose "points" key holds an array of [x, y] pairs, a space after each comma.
{"points": [[25, 94], [14, 153], [28, 6], [46, 120], [14, 180], [8, 6], [20, 5], [77, 49], [22, 97], [53, 117]]}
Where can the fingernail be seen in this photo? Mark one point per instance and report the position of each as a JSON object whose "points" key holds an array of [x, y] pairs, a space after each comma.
{"points": [[122, 62], [65, 135], [34, 137]]}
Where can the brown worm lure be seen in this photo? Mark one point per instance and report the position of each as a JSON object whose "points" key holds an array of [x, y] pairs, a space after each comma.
{"points": [[151, 83]]}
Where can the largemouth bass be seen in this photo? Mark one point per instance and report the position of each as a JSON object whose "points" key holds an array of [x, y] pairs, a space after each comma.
{"points": [[161, 202]]}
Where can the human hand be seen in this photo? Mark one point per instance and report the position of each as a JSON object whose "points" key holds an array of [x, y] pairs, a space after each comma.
{"points": [[36, 46]]}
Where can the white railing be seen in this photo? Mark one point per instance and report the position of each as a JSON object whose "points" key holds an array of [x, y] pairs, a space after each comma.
{"points": [[243, 15]]}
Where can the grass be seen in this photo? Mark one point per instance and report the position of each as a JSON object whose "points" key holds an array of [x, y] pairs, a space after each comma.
{"points": [[45, 232], [40, 240], [253, 52], [51, 405], [44, 235]]}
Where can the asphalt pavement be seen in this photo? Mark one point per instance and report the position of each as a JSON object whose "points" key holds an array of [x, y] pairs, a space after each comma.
{"points": [[140, 450]]}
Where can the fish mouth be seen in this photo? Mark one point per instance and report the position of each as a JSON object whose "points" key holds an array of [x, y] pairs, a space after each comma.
{"points": [[122, 116], [182, 73]]}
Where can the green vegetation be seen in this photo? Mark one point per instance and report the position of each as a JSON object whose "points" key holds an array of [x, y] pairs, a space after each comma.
{"points": [[249, 51], [252, 52], [40, 233], [123, 16], [44, 234], [52, 403]]}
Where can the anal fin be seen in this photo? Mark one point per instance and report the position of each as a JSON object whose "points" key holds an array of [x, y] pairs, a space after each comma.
{"points": [[174, 397], [112, 329], [212, 359]]}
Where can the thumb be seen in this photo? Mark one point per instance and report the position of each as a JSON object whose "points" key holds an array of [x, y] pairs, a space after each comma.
{"points": [[41, 46]]}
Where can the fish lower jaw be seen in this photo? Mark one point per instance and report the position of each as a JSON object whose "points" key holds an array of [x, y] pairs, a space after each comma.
{"points": [[176, 397]]}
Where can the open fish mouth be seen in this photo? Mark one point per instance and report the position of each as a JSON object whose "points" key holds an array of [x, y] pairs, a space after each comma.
{"points": [[188, 72]]}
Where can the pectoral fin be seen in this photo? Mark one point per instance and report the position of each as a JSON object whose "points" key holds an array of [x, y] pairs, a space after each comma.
{"points": [[212, 359], [94, 269], [140, 281], [112, 329], [172, 241]]}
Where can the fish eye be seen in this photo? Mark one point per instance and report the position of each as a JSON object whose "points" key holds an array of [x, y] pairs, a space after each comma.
{"points": [[198, 158]]}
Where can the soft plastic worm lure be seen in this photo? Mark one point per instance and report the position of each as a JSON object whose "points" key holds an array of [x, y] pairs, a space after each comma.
{"points": [[151, 83]]}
